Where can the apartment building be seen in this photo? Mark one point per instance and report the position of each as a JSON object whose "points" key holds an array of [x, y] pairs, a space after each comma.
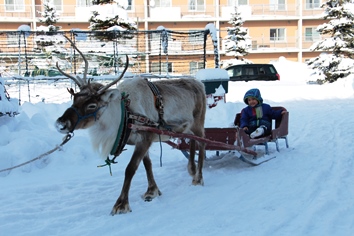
{"points": [[276, 27]]}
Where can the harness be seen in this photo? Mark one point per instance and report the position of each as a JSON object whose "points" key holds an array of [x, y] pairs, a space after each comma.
{"points": [[80, 117], [123, 131], [126, 119], [158, 104]]}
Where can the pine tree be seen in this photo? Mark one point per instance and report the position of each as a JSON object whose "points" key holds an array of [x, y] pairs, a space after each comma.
{"points": [[48, 37], [108, 15], [340, 44], [237, 43], [49, 15]]}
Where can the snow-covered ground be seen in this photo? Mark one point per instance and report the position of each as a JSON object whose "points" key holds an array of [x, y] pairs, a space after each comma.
{"points": [[306, 190]]}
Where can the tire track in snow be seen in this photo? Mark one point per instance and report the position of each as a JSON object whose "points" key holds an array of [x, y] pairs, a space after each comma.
{"points": [[326, 195]]}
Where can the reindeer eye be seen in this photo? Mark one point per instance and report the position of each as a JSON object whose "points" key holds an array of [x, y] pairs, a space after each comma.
{"points": [[92, 106]]}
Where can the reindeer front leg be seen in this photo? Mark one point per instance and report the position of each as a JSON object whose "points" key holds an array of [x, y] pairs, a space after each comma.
{"points": [[152, 191], [122, 204]]}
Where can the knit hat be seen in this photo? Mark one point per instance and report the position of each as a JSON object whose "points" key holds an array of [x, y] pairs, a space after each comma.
{"points": [[254, 93]]}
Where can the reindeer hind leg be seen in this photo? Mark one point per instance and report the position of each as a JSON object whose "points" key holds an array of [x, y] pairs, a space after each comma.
{"points": [[198, 172], [191, 160], [198, 177], [152, 191]]}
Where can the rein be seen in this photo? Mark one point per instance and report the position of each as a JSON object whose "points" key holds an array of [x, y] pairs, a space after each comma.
{"points": [[65, 140]]}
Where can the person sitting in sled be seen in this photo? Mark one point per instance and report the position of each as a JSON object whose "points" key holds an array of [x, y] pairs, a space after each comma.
{"points": [[256, 118]]}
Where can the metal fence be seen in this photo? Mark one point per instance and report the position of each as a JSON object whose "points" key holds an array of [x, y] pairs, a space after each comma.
{"points": [[32, 54], [28, 59]]}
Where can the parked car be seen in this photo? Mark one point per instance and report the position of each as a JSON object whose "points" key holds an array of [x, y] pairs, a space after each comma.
{"points": [[45, 72], [247, 72]]}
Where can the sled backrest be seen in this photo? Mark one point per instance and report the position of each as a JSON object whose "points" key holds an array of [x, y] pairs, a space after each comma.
{"points": [[282, 122], [279, 132], [281, 125]]}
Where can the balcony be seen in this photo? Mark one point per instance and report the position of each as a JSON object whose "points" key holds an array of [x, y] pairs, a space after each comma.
{"points": [[262, 11], [289, 44], [21, 14], [265, 45], [176, 12]]}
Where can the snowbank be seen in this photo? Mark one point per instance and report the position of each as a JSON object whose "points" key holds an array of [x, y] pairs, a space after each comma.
{"points": [[8, 106]]}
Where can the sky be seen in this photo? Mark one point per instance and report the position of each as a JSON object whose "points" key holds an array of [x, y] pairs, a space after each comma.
{"points": [[306, 190]]}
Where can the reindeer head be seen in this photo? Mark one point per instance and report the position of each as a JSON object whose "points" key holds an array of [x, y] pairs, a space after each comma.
{"points": [[87, 104]]}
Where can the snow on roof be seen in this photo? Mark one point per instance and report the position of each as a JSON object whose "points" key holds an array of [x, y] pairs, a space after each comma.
{"points": [[212, 74]]}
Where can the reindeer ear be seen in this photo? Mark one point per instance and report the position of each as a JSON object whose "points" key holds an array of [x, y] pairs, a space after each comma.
{"points": [[71, 91], [110, 95]]}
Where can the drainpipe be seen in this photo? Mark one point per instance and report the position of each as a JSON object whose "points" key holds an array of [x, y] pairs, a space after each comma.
{"points": [[146, 26], [217, 26], [34, 22], [300, 31]]}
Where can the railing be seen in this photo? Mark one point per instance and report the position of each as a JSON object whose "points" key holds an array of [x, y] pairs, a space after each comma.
{"points": [[265, 44], [175, 12], [25, 12]]}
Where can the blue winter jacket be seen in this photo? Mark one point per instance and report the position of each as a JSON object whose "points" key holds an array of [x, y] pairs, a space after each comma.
{"points": [[262, 114]]}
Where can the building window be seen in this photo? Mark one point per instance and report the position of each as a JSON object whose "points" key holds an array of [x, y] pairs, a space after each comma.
{"points": [[277, 5], [162, 3], [196, 5], [237, 2], [311, 34], [312, 4], [130, 5], [58, 5], [14, 5], [195, 66], [166, 67], [277, 34], [84, 3]]}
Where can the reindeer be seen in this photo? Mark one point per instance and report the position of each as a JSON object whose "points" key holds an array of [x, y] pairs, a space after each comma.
{"points": [[178, 105]]}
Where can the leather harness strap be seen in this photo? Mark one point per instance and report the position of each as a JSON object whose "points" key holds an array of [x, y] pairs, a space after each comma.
{"points": [[127, 118], [158, 104]]}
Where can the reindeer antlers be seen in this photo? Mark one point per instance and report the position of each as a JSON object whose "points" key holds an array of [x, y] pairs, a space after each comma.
{"points": [[81, 82], [116, 80]]}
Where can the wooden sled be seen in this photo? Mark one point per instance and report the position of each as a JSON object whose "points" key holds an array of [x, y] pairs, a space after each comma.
{"points": [[231, 139]]}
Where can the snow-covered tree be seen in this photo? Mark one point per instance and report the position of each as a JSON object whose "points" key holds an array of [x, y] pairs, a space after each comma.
{"points": [[110, 15], [237, 42], [49, 15], [46, 38], [339, 60]]}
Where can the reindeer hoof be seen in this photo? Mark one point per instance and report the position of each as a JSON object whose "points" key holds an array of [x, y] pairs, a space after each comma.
{"points": [[121, 209], [198, 181], [148, 199], [151, 194]]}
